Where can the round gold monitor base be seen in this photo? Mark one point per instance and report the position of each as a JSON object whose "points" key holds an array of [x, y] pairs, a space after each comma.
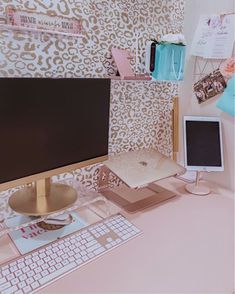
{"points": [[26, 202]]}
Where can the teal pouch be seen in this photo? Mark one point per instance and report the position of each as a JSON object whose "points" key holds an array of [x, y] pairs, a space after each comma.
{"points": [[227, 101], [169, 62]]}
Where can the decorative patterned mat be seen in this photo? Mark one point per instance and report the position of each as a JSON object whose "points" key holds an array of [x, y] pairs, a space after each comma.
{"points": [[33, 236]]}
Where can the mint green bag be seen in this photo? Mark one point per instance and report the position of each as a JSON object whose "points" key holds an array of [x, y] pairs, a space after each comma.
{"points": [[227, 101], [169, 62]]}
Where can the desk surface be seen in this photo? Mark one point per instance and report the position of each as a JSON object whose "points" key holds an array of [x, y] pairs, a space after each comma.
{"points": [[187, 246]]}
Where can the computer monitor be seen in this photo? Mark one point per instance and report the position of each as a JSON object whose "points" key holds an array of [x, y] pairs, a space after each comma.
{"points": [[50, 126], [202, 147]]}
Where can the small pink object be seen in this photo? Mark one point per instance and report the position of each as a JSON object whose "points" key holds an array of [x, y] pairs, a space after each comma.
{"points": [[121, 58], [227, 68]]}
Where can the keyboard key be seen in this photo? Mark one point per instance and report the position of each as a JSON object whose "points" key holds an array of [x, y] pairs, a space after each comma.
{"points": [[30, 274], [47, 259], [21, 265], [91, 243], [93, 248], [35, 258], [49, 252], [61, 246], [18, 273], [28, 261], [51, 263], [64, 256], [37, 277], [40, 262], [4, 286], [35, 285], [5, 272], [78, 238], [27, 289], [44, 273], [58, 273], [42, 250], [13, 268], [108, 246], [65, 262], [51, 269], [45, 266], [29, 281], [19, 292], [15, 281], [71, 258], [91, 255], [58, 266], [99, 250], [71, 247], [22, 277], [85, 258], [66, 250], [10, 290], [79, 261], [42, 255], [22, 285], [25, 269], [3, 280], [33, 266], [58, 259]]}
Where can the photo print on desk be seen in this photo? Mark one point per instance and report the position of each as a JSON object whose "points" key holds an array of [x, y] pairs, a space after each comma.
{"points": [[209, 86]]}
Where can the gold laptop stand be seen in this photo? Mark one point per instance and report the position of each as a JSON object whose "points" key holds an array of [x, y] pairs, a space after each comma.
{"points": [[127, 169], [145, 197]]}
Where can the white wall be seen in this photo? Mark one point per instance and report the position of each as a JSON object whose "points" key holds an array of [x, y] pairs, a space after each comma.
{"points": [[188, 102]]}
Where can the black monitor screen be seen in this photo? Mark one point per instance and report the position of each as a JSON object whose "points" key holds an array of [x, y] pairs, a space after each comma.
{"points": [[50, 123], [203, 143]]}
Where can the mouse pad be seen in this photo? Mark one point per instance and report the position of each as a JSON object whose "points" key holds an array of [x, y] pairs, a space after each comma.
{"points": [[33, 236]]}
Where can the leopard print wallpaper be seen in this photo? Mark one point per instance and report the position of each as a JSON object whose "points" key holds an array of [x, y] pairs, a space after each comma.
{"points": [[140, 114]]}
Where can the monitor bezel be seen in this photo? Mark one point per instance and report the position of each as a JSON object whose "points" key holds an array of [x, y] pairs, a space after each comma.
{"points": [[50, 173], [202, 168]]}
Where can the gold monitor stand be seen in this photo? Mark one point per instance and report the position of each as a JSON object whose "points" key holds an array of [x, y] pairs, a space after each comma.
{"points": [[42, 198]]}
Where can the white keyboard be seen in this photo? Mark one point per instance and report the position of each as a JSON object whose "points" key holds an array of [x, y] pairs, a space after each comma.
{"points": [[36, 270]]}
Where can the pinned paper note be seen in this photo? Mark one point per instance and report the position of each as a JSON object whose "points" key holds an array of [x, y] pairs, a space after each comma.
{"points": [[214, 36]]}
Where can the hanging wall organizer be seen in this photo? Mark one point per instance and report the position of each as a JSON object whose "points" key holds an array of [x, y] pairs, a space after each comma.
{"points": [[20, 20]]}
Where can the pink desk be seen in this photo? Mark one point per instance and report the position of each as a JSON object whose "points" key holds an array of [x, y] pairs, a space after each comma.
{"points": [[187, 246]]}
